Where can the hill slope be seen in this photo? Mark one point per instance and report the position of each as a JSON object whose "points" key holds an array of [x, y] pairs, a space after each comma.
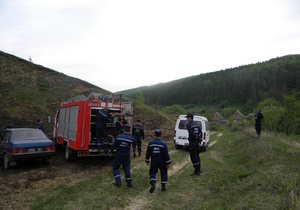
{"points": [[244, 85], [30, 91]]}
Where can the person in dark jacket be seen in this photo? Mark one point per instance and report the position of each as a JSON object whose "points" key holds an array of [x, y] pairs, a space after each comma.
{"points": [[258, 118], [40, 125], [9, 125], [157, 151], [119, 125], [138, 133], [195, 140], [102, 118], [122, 145]]}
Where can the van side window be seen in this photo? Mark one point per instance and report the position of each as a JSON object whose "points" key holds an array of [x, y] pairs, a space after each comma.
{"points": [[206, 125]]}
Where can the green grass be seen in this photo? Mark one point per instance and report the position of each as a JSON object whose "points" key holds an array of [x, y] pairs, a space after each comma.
{"points": [[240, 172]]}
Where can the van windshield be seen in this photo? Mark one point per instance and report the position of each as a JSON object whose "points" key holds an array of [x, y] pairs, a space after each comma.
{"points": [[182, 124]]}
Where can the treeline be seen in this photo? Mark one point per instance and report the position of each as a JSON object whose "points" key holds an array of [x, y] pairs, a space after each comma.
{"points": [[281, 116], [243, 86]]}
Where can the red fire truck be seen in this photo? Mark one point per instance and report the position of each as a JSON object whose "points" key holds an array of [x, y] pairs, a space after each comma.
{"points": [[74, 124]]}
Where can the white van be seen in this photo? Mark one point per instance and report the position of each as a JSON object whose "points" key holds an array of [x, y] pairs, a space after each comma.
{"points": [[181, 134]]}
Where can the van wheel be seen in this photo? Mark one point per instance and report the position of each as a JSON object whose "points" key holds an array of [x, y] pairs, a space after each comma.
{"points": [[203, 149], [70, 154], [177, 146]]}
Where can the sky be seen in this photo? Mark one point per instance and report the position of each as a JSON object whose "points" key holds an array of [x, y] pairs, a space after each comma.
{"points": [[123, 44]]}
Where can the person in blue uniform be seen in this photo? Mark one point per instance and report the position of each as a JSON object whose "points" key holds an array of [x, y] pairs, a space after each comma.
{"points": [[195, 140], [157, 151], [40, 125], [119, 125], [9, 125], [138, 133], [122, 145], [102, 118], [258, 118]]}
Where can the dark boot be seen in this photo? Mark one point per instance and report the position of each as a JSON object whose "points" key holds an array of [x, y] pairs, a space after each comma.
{"points": [[117, 184], [139, 154], [134, 155], [129, 184], [195, 173], [163, 187], [153, 186]]}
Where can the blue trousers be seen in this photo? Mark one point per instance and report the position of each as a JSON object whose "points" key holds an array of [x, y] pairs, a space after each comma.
{"points": [[138, 144], [195, 158], [102, 136], [163, 172], [125, 162]]}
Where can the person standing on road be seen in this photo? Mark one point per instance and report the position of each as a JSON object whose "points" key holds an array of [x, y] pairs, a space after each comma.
{"points": [[122, 145], [195, 140], [258, 118], [138, 133], [157, 150]]}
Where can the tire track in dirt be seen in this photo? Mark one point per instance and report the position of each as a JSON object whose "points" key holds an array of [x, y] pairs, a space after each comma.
{"points": [[140, 202]]}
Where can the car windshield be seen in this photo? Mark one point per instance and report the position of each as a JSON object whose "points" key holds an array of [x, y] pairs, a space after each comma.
{"points": [[28, 134], [182, 124]]}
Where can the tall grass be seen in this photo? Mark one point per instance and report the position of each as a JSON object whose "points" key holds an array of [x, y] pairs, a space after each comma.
{"points": [[240, 172]]}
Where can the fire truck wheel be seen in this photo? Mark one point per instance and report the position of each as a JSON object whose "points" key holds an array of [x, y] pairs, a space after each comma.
{"points": [[70, 154]]}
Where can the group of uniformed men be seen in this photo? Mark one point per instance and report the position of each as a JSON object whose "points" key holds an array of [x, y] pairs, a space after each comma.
{"points": [[157, 151]]}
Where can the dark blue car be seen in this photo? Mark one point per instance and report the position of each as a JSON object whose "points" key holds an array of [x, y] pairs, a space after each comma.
{"points": [[24, 143]]}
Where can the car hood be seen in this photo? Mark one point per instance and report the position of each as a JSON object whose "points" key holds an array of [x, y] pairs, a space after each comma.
{"points": [[32, 143]]}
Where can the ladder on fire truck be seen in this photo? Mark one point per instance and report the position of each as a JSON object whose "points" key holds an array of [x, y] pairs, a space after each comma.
{"points": [[97, 97]]}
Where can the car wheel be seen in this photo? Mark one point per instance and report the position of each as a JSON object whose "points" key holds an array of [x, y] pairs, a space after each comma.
{"points": [[45, 161], [69, 153], [6, 162]]}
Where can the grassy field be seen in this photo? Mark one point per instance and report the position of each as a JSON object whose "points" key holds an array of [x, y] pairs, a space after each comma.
{"points": [[240, 172]]}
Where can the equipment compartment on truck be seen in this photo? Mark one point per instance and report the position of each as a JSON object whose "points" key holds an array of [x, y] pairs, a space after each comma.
{"points": [[74, 125]]}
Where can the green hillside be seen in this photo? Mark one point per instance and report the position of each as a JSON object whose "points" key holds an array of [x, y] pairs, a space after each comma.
{"points": [[240, 170], [243, 86], [30, 91]]}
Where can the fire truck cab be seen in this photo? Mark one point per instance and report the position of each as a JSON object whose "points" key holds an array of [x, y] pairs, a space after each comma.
{"points": [[74, 124]]}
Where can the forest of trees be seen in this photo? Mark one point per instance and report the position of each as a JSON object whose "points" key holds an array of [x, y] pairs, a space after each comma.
{"points": [[282, 116], [243, 86]]}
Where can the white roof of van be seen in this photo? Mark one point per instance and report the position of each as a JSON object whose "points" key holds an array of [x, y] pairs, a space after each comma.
{"points": [[195, 116]]}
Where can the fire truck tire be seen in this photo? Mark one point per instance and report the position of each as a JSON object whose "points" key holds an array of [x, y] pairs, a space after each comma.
{"points": [[70, 154]]}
